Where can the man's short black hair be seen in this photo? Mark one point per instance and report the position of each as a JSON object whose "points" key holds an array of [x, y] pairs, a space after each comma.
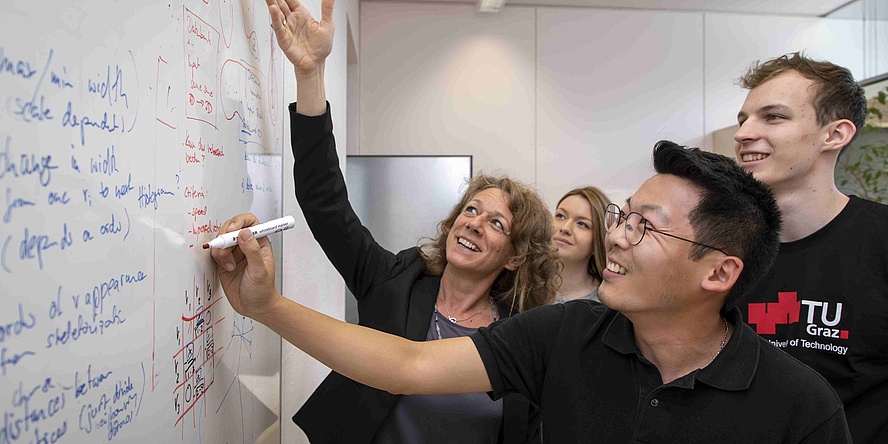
{"points": [[736, 212]]}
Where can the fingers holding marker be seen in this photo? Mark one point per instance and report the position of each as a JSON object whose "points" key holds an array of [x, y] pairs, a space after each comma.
{"points": [[228, 257], [250, 247], [223, 245], [248, 244], [238, 222], [220, 255], [223, 258]]}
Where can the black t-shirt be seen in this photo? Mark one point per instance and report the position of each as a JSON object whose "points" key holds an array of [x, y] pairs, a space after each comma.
{"points": [[579, 362], [825, 302]]}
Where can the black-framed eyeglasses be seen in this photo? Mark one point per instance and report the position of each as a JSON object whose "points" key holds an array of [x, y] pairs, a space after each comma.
{"points": [[636, 225]]}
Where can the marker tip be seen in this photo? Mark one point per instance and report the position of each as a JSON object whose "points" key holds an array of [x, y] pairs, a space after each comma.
{"points": [[206, 246]]}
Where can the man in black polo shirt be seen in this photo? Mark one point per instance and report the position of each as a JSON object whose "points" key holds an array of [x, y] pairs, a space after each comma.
{"points": [[669, 360]]}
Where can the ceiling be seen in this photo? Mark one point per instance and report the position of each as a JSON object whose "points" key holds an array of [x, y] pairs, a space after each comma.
{"points": [[811, 8]]}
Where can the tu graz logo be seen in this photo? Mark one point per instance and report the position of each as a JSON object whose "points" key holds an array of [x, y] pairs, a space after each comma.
{"points": [[766, 316]]}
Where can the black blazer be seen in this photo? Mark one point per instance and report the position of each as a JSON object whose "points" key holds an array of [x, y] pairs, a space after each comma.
{"points": [[393, 293]]}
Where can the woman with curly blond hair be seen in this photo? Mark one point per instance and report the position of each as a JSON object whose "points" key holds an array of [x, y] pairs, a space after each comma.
{"points": [[529, 281], [491, 258]]}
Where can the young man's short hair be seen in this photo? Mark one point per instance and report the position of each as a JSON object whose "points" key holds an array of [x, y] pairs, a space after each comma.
{"points": [[736, 212], [837, 96]]}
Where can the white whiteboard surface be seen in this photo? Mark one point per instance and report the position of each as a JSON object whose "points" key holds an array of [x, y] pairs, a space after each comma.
{"points": [[128, 133]]}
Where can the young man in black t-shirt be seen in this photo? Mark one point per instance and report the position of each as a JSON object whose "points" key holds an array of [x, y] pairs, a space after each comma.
{"points": [[825, 301]]}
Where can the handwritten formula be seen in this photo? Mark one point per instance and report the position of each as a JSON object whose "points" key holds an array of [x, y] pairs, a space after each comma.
{"points": [[127, 136]]}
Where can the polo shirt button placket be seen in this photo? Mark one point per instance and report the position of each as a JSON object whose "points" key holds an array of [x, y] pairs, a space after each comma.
{"points": [[655, 402]]}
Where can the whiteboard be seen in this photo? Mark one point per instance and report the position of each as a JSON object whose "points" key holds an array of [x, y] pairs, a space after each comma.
{"points": [[129, 131]]}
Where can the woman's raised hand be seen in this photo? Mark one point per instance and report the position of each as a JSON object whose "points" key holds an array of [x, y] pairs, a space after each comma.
{"points": [[306, 41]]}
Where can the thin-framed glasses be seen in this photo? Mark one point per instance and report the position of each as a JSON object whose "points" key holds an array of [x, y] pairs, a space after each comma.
{"points": [[636, 225]]}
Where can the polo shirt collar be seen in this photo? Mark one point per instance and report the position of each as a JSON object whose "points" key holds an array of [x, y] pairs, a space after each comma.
{"points": [[733, 368]]}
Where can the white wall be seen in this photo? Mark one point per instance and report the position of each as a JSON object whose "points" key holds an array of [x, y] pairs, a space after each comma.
{"points": [[875, 28], [609, 84], [438, 78], [562, 97], [874, 14], [308, 276]]}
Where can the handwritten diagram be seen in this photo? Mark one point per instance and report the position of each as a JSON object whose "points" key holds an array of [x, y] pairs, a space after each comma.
{"points": [[127, 137]]}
